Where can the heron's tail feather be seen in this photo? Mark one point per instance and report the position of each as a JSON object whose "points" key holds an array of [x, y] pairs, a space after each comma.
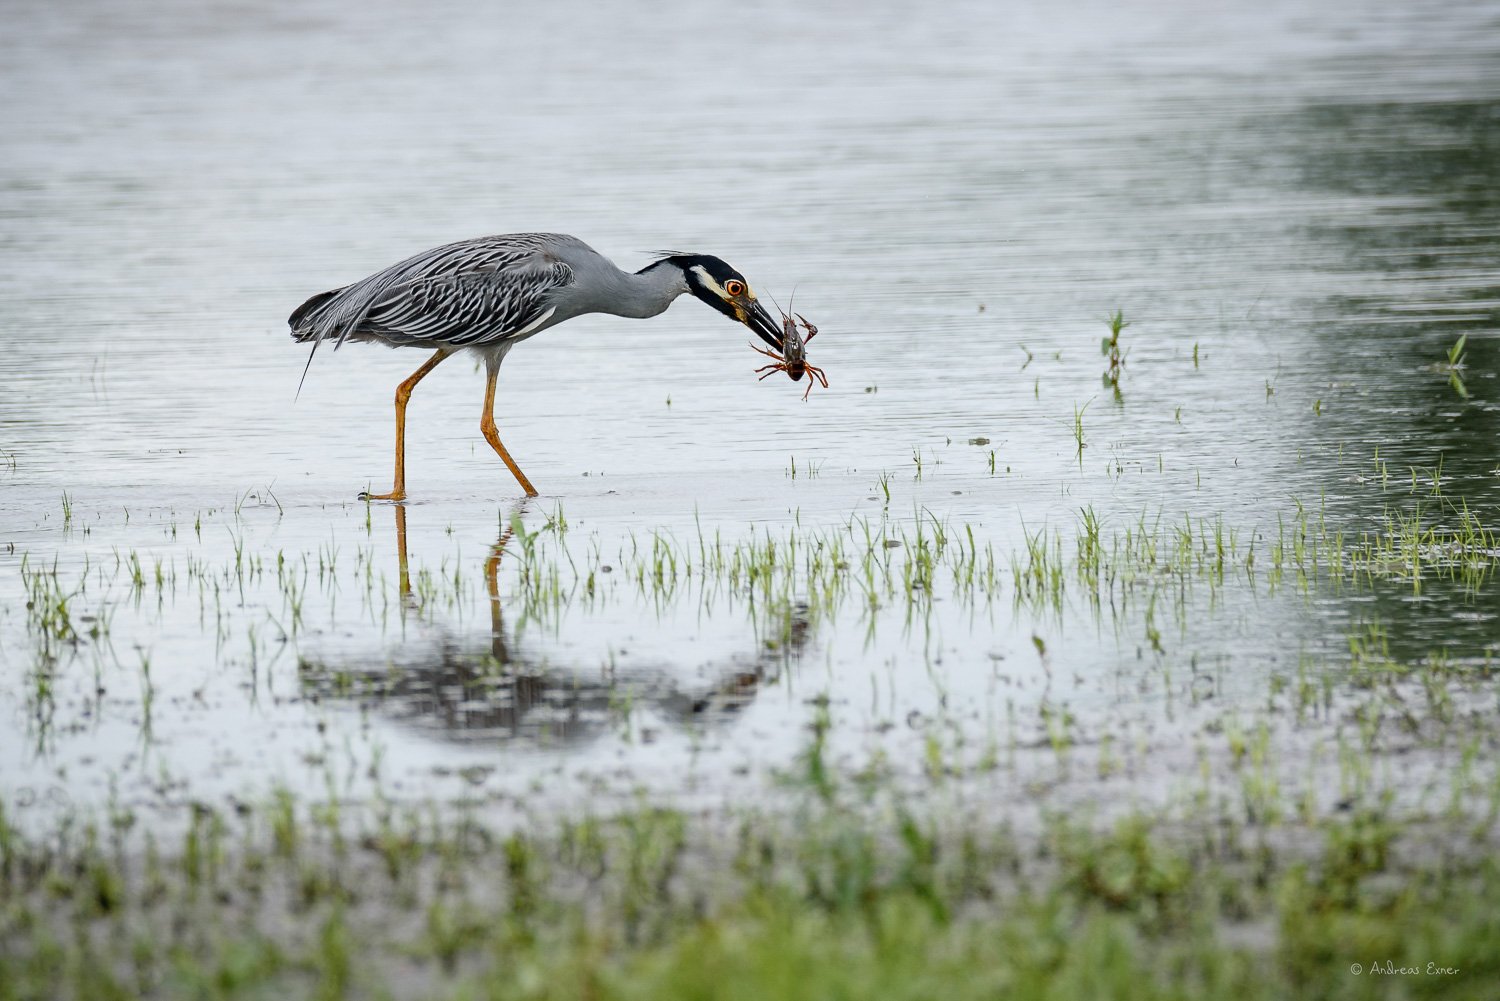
{"points": [[303, 320], [305, 370], [306, 326]]}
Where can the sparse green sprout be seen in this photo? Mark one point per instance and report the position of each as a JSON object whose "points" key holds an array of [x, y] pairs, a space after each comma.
{"points": [[1455, 366], [1110, 348], [1078, 429], [1456, 353]]}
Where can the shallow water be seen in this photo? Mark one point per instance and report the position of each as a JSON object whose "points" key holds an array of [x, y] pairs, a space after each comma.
{"points": [[1295, 209]]}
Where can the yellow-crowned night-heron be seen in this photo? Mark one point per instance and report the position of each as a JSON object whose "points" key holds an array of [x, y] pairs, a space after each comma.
{"points": [[487, 294]]}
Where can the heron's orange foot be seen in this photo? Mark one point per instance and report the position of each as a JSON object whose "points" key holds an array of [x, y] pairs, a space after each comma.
{"points": [[394, 495]]}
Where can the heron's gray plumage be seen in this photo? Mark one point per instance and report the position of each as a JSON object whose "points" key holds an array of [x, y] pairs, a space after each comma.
{"points": [[485, 293]]}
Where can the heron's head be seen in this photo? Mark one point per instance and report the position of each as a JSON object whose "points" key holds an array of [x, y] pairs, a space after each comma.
{"points": [[726, 290]]}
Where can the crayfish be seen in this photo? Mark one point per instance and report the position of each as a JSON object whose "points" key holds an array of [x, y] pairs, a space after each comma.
{"points": [[793, 357]]}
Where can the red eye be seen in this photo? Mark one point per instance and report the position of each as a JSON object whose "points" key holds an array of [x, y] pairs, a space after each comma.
{"points": [[734, 287]]}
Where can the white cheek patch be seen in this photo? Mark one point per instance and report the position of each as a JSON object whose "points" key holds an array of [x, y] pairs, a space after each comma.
{"points": [[722, 293], [720, 290], [707, 279]]}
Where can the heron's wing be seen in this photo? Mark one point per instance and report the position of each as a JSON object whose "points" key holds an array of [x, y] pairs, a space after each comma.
{"points": [[470, 299]]}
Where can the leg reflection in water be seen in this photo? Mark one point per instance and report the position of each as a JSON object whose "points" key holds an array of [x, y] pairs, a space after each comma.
{"points": [[491, 576], [458, 684]]}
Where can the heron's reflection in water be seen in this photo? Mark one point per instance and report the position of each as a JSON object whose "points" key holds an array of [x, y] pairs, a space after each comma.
{"points": [[462, 688]]}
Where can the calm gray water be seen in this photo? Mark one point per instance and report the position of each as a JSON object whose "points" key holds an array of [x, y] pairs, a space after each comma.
{"points": [[1297, 207]]}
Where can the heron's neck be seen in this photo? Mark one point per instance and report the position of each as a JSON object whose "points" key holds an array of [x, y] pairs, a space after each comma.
{"points": [[646, 292]]}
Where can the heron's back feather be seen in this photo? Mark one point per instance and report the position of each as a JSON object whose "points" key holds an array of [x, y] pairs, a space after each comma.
{"points": [[474, 293]]}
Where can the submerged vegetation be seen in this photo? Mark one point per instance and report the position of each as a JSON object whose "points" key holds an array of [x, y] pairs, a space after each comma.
{"points": [[1271, 873], [1096, 747], [1282, 851]]}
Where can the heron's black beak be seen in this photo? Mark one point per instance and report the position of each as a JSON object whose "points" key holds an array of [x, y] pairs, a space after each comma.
{"points": [[765, 328]]}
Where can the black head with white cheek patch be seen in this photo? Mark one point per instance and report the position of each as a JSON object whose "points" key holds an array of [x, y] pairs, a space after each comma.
{"points": [[713, 281], [716, 283]]}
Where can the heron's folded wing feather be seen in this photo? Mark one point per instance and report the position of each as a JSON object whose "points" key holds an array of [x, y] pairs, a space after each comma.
{"points": [[481, 301]]}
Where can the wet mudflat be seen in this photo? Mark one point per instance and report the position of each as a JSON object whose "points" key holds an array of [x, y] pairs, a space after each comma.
{"points": [[1187, 636]]}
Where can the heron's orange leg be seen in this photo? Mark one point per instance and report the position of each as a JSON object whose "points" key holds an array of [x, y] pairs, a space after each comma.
{"points": [[487, 428], [403, 393]]}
